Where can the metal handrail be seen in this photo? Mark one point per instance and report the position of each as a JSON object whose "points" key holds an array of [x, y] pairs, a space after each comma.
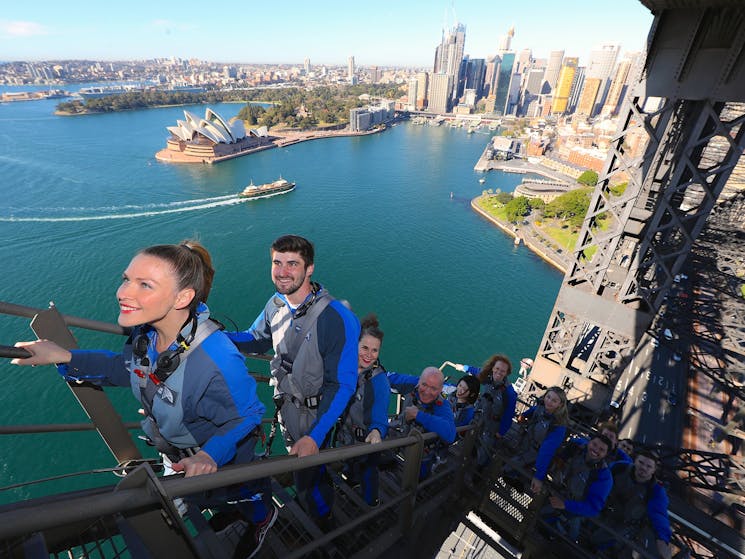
{"points": [[41, 514]]}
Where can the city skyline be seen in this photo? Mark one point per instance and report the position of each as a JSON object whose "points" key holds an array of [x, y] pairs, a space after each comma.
{"points": [[403, 34]]}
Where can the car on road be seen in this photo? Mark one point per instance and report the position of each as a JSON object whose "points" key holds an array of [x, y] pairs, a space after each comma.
{"points": [[672, 399], [677, 357], [668, 334]]}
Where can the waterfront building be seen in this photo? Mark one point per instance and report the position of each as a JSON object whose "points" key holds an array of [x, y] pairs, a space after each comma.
{"points": [[196, 139], [412, 93], [553, 69], [541, 189], [422, 81], [364, 118], [470, 97], [564, 85], [440, 93]]}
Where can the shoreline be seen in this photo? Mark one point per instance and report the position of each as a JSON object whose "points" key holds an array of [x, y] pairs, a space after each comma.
{"points": [[504, 227], [170, 156]]}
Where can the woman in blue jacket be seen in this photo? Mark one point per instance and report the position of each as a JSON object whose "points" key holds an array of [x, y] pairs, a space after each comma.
{"points": [[538, 434], [495, 407], [366, 417], [200, 404]]}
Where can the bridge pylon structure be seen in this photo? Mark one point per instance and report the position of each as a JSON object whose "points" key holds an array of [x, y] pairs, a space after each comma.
{"points": [[688, 106]]}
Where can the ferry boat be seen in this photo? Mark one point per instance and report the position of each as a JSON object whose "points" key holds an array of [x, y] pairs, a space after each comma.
{"points": [[279, 186]]}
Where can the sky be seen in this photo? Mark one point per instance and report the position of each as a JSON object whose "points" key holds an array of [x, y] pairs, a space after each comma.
{"points": [[382, 33]]}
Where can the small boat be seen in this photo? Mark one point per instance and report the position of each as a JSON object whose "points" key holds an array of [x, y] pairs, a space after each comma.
{"points": [[482, 181], [517, 240], [279, 186]]}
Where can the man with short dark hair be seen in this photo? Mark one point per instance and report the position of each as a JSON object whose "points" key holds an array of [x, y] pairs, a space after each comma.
{"points": [[314, 338], [636, 509], [581, 482]]}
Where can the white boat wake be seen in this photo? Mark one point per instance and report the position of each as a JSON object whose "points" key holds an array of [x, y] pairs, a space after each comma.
{"points": [[124, 212]]}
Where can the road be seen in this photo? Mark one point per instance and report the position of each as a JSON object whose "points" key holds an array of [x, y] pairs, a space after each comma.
{"points": [[652, 391]]}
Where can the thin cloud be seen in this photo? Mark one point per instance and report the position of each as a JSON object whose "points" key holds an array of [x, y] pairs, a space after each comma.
{"points": [[22, 28]]}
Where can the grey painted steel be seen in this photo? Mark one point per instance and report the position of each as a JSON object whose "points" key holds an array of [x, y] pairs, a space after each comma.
{"points": [[30, 516], [161, 530], [50, 325], [608, 300], [30, 312]]}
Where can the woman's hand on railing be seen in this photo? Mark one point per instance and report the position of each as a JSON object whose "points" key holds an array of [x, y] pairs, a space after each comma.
{"points": [[373, 437], [43, 352]]}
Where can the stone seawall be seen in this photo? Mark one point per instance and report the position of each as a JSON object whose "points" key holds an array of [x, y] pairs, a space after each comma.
{"points": [[528, 240]]}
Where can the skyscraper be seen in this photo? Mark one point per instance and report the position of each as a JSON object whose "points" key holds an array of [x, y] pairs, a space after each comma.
{"points": [[564, 85], [505, 42], [413, 85], [622, 78], [555, 61], [440, 92], [350, 68], [449, 55], [504, 78], [490, 78], [601, 64], [306, 66], [422, 79], [586, 102]]}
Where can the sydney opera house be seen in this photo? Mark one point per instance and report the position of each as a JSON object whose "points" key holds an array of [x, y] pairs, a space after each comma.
{"points": [[211, 139]]}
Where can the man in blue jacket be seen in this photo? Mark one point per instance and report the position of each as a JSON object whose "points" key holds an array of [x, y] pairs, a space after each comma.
{"points": [[314, 338], [581, 484], [636, 509], [423, 406]]}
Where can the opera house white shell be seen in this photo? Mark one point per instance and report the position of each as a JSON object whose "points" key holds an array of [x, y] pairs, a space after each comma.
{"points": [[212, 127]]}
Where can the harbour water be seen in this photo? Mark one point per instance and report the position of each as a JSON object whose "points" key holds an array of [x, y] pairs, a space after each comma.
{"points": [[81, 194]]}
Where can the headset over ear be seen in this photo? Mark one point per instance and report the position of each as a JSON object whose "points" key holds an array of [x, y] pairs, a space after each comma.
{"points": [[169, 360]]}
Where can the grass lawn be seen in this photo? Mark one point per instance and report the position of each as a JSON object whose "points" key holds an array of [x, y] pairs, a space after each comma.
{"points": [[491, 206], [565, 237]]}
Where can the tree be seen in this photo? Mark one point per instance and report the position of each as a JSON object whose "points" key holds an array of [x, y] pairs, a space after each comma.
{"points": [[504, 197], [571, 206], [516, 208], [588, 178], [536, 203]]}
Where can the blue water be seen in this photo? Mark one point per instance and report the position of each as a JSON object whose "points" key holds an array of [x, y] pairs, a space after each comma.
{"points": [[81, 194]]}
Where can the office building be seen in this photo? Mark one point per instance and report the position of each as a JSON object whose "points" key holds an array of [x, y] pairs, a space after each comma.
{"points": [[422, 83], [564, 85], [440, 93], [553, 68], [586, 103], [504, 79], [449, 56], [601, 64]]}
